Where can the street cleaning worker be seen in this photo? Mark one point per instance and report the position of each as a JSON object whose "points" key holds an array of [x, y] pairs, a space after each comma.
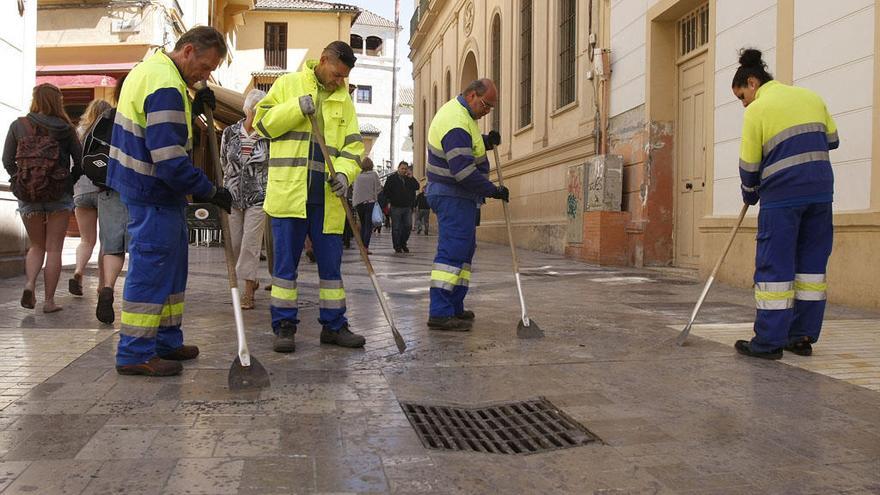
{"points": [[784, 162], [458, 181], [301, 198], [151, 169]]}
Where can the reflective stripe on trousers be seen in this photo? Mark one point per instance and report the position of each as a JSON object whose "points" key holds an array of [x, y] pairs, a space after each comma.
{"points": [[451, 272], [153, 297], [793, 246], [288, 235]]}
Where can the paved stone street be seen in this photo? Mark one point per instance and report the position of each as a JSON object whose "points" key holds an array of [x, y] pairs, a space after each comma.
{"points": [[696, 419]]}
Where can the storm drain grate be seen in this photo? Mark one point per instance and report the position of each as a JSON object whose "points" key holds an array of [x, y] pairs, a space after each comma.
{"points": [[515, 428]]}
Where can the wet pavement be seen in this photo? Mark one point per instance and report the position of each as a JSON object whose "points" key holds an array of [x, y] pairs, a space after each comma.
{"points": [[695, 419]]}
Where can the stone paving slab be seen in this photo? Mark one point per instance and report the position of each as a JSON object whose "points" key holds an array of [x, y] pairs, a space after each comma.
{"points": [[694, 419], [848, 350]]}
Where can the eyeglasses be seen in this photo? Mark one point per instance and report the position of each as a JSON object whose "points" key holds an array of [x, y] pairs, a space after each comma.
{"points": [[485, 105]]}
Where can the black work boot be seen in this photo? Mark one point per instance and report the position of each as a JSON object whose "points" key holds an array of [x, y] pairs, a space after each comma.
{"points": [[802, 347], [449, 324], [342, 337], [104, 310], [745, 348], [284, 341], [466, 315]]}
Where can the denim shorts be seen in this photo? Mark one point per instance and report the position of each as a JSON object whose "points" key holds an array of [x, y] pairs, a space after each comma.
{"points": [[87, 200], [62, 204], [112, 222]]}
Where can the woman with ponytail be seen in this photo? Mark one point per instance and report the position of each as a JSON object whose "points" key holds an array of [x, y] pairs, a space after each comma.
{"points": [[784, 163]]}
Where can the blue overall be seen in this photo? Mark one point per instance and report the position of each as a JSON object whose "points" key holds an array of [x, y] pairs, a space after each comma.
{"points": [[794, 243], [152, 301], [289, 236], [451, 273]]}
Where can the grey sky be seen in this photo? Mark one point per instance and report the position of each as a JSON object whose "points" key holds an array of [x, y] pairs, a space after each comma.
{"points": [[385, 8]]}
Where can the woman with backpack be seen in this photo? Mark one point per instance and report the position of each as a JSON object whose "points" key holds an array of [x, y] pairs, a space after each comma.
{"points": [[85, 202], [38, 154]]}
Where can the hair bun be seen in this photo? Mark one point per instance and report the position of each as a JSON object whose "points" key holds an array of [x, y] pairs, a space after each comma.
{"points": [[750, 57]]}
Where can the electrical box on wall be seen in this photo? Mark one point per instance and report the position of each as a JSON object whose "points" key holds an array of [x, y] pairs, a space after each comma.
{"points": [[604, 183]]}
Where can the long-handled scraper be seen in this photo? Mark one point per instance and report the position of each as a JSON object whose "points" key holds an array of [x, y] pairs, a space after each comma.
{"points": [[526, 328], [682, 337], [386, 309], [246, 372]]}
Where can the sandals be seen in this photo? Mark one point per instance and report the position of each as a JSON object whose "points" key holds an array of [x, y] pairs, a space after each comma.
{"points": [[28, 299]]}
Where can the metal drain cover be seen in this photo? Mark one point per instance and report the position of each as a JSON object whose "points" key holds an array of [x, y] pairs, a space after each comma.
{"points": [[515, 428]]}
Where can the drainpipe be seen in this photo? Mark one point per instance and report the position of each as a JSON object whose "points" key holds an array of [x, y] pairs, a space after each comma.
{"points": [[394, 79]]}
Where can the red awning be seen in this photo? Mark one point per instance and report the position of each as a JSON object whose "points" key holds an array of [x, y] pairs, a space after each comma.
{"points": [[79, 81], [85, 68]]}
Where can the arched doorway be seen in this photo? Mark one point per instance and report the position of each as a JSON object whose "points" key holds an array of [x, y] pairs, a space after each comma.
{"points": [[468, 70]]}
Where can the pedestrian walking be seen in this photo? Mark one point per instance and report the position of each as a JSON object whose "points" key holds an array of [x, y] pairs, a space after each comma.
{"points": [[151, 169], [301, 199], [244, 155], [423, 213], [85, 203], [400, 191], [366, 193], [784, 163], [112, 212], [458, 181], [42, 157]]}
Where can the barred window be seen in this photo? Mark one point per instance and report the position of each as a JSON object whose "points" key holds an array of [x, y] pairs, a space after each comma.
{"points": [[567, 50], [525, 63], [693, 30], [275, 45], [496, 70]]}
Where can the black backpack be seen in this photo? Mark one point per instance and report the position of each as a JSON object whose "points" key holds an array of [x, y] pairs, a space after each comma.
{"points": [[96, 148]]}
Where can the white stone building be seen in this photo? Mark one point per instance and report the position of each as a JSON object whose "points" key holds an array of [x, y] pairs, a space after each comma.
{"points": [[372, 38]]}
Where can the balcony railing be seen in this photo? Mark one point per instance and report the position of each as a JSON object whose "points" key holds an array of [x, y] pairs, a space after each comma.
{"points": [[275, 59]]}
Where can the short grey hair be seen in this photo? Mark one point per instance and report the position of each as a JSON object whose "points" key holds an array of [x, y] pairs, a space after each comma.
{"points": [[253, 97], [479, 86]]}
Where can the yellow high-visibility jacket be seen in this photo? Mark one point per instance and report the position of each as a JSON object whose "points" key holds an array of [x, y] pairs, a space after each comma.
{"points": [[279, 118]]}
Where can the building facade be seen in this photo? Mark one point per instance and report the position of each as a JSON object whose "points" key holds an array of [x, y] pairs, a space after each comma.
{"points": [[372, 38], [277, 36], [18, 50], [84, 47], [645, 86], [546, 126]]}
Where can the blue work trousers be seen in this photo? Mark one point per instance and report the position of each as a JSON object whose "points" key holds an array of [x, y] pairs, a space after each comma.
{"points": [[451, 273], [289, 235], [793, 247], [153, 297]]}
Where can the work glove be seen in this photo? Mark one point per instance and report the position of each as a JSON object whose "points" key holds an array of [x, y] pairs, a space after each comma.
{"points": [[204, 98], [493, 139], [339, 184], [307, 104], [750, 197], [221, 197], [501, 193]]}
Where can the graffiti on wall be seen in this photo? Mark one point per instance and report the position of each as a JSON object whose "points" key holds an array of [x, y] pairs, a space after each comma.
{"points": [[575, 187]]}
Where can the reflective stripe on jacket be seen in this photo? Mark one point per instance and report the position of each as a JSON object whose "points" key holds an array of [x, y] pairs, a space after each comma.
{"points": [[279, 118], [457, 153], [152, 138], [787, 133]]}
